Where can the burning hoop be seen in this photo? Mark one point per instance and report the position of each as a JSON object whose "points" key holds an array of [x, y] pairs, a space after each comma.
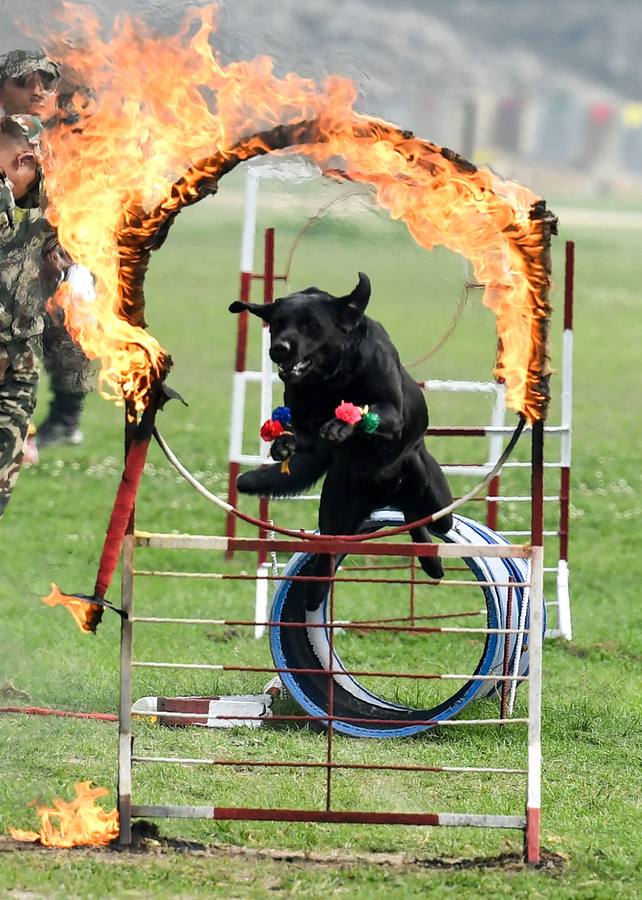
{"points": [[502, 228]]}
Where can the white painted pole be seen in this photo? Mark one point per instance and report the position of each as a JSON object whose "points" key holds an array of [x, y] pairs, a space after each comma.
{"points": [[249, 220], [534, 777], [497, 420], [567, 397], [564, 623]]}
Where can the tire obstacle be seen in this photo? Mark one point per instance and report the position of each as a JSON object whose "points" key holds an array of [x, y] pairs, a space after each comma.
{"points": [[305, 655]]}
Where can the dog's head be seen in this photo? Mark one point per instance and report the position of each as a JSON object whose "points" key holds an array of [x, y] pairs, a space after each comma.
{"points": [[309, 329]]}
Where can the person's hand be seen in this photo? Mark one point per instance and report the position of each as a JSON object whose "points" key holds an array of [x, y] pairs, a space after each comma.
{"points": [[7, 202]]}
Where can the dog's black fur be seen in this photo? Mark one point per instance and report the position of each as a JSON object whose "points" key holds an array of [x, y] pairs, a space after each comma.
{"points": [[327, 351]]}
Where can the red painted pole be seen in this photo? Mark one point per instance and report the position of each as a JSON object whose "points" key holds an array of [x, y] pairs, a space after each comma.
{"points": [[492, 506]]}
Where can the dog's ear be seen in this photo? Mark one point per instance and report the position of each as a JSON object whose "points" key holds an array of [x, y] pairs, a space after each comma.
{"points": [[353, 306], [262, 310]]}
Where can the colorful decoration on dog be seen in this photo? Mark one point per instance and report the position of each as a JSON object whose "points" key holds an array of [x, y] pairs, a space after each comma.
{"points": [[278, 424], [274, 427], [283, 415], [355, 415], [271, 429]]}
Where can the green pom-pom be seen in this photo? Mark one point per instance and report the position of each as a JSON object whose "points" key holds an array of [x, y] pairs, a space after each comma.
{"points": [[370, 422]]}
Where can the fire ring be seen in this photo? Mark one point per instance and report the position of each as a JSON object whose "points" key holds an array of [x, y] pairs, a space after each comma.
{"points": [[309, 648]]}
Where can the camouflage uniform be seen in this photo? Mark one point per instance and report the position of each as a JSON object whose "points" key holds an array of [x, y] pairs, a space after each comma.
{"points": [[25, 238], [70, 372]]}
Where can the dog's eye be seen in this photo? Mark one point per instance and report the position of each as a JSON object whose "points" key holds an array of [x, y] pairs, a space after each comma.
{"points": [[311, 327]]}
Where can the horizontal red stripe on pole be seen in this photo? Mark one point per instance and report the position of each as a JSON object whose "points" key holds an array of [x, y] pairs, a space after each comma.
{"points": [[322, 815]]}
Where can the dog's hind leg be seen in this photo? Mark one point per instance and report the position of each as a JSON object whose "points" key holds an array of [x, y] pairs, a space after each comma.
{"points": [[425, 491], [305, 468], [430, 564], [345, 503]]}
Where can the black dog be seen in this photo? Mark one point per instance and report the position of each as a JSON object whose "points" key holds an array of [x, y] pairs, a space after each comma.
{"points": [[327, 352]]}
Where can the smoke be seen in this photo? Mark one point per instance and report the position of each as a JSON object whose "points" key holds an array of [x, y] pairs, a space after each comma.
{"points": [[361, 40], [26, 22]]}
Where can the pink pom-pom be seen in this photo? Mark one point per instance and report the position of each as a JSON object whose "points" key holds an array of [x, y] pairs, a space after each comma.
{"points": [[349, 413], [271, 429]]}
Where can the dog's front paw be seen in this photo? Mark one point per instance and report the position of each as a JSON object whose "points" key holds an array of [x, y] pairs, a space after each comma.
{"points": [[283, 447], [336, 431]]}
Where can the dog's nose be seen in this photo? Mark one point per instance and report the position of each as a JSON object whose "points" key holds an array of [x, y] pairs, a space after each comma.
{"points": [[280, 351]]}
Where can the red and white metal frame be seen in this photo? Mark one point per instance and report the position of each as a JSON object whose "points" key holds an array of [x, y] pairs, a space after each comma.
{"points": [[529, 823]]}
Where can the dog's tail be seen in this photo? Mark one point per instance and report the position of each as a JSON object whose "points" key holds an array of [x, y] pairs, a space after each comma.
{"points": [[271, 481]]}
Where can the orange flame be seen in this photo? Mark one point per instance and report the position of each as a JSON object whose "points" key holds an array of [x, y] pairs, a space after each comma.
{"points": [[78, 823], [149, 121], [83, 611]]}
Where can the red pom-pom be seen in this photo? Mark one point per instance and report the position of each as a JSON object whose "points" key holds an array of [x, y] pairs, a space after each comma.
{"points": [[271, 429], [349, 413]]}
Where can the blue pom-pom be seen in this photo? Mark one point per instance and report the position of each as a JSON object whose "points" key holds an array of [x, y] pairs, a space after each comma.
{"points": [[283, 415]]}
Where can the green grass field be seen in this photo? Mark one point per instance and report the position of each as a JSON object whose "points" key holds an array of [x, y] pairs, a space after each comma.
{"points": [[53, 531]]}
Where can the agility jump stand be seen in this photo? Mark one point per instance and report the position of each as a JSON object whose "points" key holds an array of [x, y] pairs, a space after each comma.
{"points": [[528, 630], [494, 432]]}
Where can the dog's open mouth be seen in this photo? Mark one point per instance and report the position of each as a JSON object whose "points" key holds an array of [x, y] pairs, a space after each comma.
{"points": [[295, 372]]}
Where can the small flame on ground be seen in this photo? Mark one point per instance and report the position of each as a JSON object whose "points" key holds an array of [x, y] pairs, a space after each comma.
{"points": [[83, 611], [79, 822]]}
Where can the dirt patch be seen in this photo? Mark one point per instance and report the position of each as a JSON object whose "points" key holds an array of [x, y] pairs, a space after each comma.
{"points": [[600, 650], [147, 841]]}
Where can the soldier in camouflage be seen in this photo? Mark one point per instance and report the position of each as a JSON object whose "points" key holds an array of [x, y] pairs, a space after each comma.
{"points": [[28, 84], [26, 242]]}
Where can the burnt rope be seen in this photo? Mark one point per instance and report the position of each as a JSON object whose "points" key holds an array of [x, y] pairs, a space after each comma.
{"points": [[143, 231], [356, 538], [61, 713]]}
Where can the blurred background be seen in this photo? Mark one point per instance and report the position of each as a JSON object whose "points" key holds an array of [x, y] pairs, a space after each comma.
{"points": [[547, 93]]}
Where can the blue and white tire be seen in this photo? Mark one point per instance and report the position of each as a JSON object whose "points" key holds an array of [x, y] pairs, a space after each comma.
{"points": [[309, 648]]}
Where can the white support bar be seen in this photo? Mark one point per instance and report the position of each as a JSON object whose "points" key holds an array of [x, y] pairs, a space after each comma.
{"points": [[534, 790], [261, 599], [495, 443], [564, 601], [466, 387], [481, 471], [249, 219], [266, 389], [567, 396], [251, 376], [237, 417], [471, 820]]}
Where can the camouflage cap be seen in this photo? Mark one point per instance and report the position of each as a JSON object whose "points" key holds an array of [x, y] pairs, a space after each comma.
{"points": [[17, 63], [30, 126]]}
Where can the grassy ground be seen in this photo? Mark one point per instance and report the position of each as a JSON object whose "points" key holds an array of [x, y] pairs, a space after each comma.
{"points": [[53, 531]]}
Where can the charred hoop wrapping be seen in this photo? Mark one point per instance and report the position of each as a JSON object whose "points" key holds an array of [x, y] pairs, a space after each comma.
{"points": [[143, 231]]}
